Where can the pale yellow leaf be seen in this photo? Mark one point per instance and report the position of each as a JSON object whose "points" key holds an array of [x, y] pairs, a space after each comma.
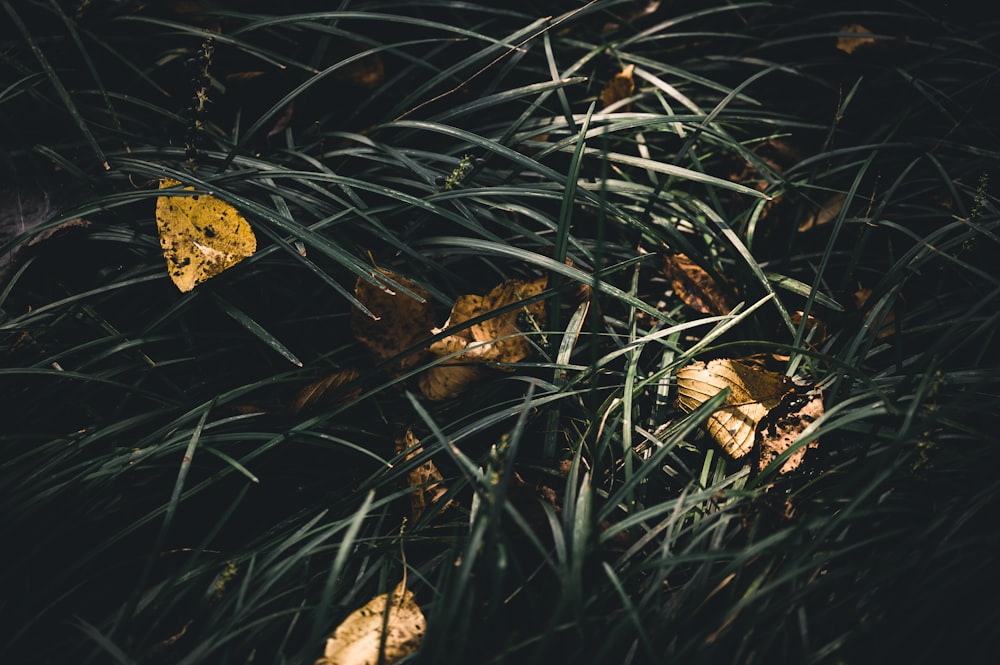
{"points": [[357, 640], [201, 236]]}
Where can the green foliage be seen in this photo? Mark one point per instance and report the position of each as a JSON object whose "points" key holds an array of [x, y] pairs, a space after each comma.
{"points": [[161, 501]]}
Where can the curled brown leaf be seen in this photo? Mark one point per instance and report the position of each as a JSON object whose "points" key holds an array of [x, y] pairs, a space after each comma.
{"points": [[620, 87], [402, 319], [692, 284]]}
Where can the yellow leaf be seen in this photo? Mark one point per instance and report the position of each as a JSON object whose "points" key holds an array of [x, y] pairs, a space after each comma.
{"points": [[201, 236], [357, 640], [753, 393]]}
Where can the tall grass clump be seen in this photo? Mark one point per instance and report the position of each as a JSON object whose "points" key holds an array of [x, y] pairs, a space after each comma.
{"points": [[170, 494]]}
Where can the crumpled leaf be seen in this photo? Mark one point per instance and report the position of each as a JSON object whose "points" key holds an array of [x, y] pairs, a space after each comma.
{"points": [[854, 38], [754, 392], [692, 284], [782, 430], [357, 639], [620, 87], [402, 320], [201, 236], [426, 481], [494, 340]]}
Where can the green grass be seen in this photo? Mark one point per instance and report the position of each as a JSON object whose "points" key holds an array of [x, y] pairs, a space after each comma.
{"points": [[160, 502]]}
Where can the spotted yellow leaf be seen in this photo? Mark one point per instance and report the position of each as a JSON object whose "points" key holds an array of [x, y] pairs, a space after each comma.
{"points": [[201, 236]]}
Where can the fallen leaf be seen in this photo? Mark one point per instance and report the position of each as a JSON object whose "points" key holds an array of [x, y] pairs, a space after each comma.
{"points": [[334, 389], [426, 481], [201, 236], [358, 640], [620, 87], [753, 393], [853, 38], [283, 120], [692, 284], [889, 325], [497, 339], [634, 12], [402, 319], [826, 213], [782, 431], [812, 323], [367, 72], [22, 212]]}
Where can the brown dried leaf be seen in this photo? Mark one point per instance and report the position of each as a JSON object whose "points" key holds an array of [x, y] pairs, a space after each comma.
{"points": [[783, 431], [695, 286], [403, 321], [849, 43], [494, 340], [334, 389], [620, 87], [426, 481], [889, 325], [367, 72], [283, 120], [812, 323], [825, 214], [357, 640], [634, 12], [753, 393]]}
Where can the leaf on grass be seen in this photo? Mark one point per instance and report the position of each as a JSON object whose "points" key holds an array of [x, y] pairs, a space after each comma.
{"points": [[633, 12], [788, 423], [853, 38], [812, 324], [368, 72], [426, 481], [402, 320], [825, 214], [620, 87], [358, 640], [497, 339], [201, 236], [695, 286], [753, 393], [335, 389], [889, 325]]}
